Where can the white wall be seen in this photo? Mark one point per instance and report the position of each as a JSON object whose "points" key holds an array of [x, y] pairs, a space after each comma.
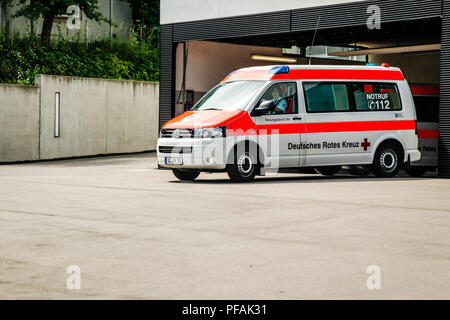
{"points": [[173, 11]]}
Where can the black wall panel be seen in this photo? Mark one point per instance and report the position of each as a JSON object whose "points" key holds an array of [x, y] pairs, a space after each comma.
{"points": [[166, 75], [355, 13], [240, 26], [444, 109]]}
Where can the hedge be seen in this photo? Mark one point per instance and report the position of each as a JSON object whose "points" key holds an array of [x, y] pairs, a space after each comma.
{"points": [[21, 59]]}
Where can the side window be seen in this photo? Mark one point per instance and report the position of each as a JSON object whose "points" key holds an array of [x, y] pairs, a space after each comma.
{"points": [[375, 96], [326, 97], [284, 96]]}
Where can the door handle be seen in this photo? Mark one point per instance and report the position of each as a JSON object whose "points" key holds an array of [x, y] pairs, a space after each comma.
{"points": [[297, 118]]}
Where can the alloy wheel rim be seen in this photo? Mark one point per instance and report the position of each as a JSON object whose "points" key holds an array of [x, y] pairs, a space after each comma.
{"points": [[245, 165], [388, 160]]}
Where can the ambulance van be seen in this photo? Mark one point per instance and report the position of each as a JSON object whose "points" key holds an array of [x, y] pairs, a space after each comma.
{"points": [[262, 119]]}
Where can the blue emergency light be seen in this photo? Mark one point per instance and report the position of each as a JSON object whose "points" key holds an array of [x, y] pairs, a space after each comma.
{"points": [[279, 70]]}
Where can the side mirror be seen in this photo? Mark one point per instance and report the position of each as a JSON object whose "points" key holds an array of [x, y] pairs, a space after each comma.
{"points": [[264, 107]]}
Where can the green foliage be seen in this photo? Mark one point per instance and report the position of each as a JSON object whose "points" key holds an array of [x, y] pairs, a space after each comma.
{"points": [[33, 9], [23, 58], [49, 9], [145, 12], [145, 16]]}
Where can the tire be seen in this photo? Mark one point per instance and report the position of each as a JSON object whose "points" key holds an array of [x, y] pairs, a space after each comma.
{"points": [[387, 161], [328, 171], [244, 166], [186, 175], [361, 170], [416, 171]]}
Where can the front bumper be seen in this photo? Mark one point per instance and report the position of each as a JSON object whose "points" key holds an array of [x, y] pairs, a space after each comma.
{"points": [[196, 153]]}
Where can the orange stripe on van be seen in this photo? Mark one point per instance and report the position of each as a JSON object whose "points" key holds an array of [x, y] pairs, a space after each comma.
{"points": [[357, 74], [309, 74], [242, 127], [361, 126]]}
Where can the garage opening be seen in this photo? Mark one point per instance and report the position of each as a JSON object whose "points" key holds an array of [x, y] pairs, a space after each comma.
{"points": [[411, 37], [413, 47]]}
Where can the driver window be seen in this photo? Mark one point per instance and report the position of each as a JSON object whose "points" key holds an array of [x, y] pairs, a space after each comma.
{"points": [[284, 96]]}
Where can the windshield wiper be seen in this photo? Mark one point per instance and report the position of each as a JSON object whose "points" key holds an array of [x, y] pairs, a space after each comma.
{"points": [[210, 109]]}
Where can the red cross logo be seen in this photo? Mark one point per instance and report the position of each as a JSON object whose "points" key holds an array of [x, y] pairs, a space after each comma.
{"points": [[365, 144]]}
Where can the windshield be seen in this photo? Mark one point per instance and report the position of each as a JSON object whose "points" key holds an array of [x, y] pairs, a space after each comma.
{"points": [[229, 96]]}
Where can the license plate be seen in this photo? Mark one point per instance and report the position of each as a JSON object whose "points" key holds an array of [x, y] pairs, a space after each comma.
{"points": [[174, 161]]}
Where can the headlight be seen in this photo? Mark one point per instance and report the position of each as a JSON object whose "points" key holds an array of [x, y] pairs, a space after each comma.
{"points": [[210, 132]]}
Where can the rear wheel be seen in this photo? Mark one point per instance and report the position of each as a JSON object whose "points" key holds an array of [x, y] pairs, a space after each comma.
{"points": [[416, 171], [360, 170], [186, 174], [328, 171], [387, 160], [243, 168]]}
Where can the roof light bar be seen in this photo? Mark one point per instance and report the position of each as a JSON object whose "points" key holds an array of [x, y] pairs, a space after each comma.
{"points": [[273, 58], [279, 70]]}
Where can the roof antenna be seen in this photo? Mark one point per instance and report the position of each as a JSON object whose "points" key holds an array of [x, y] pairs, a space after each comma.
{"points": [[314, 39]]}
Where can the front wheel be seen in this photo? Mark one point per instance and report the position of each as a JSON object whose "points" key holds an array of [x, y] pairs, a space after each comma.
{"points": [[186, 175], [243, 168], [328, 171], [387, 161]]}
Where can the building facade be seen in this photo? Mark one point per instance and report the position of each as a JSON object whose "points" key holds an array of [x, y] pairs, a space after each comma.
{"points": [[203, 40]]}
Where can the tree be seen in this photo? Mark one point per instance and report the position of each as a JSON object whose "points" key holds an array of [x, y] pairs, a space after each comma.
{"points": [[145, 12], [49, 9], [145, 17]]}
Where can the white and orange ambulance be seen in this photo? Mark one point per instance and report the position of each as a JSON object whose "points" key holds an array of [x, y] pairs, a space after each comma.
{"points": [[262, 119]]}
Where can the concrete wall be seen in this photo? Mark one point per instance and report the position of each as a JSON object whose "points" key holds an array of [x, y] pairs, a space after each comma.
{"points": [[173, 11], [19, 123], [120, 14], [97, 116]]}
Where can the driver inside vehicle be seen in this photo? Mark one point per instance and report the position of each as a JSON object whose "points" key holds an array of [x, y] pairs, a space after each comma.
{"points": [[281, 104]]}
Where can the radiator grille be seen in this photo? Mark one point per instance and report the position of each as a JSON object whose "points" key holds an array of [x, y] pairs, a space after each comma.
{"points": [[175, 149], [177, 133]]}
